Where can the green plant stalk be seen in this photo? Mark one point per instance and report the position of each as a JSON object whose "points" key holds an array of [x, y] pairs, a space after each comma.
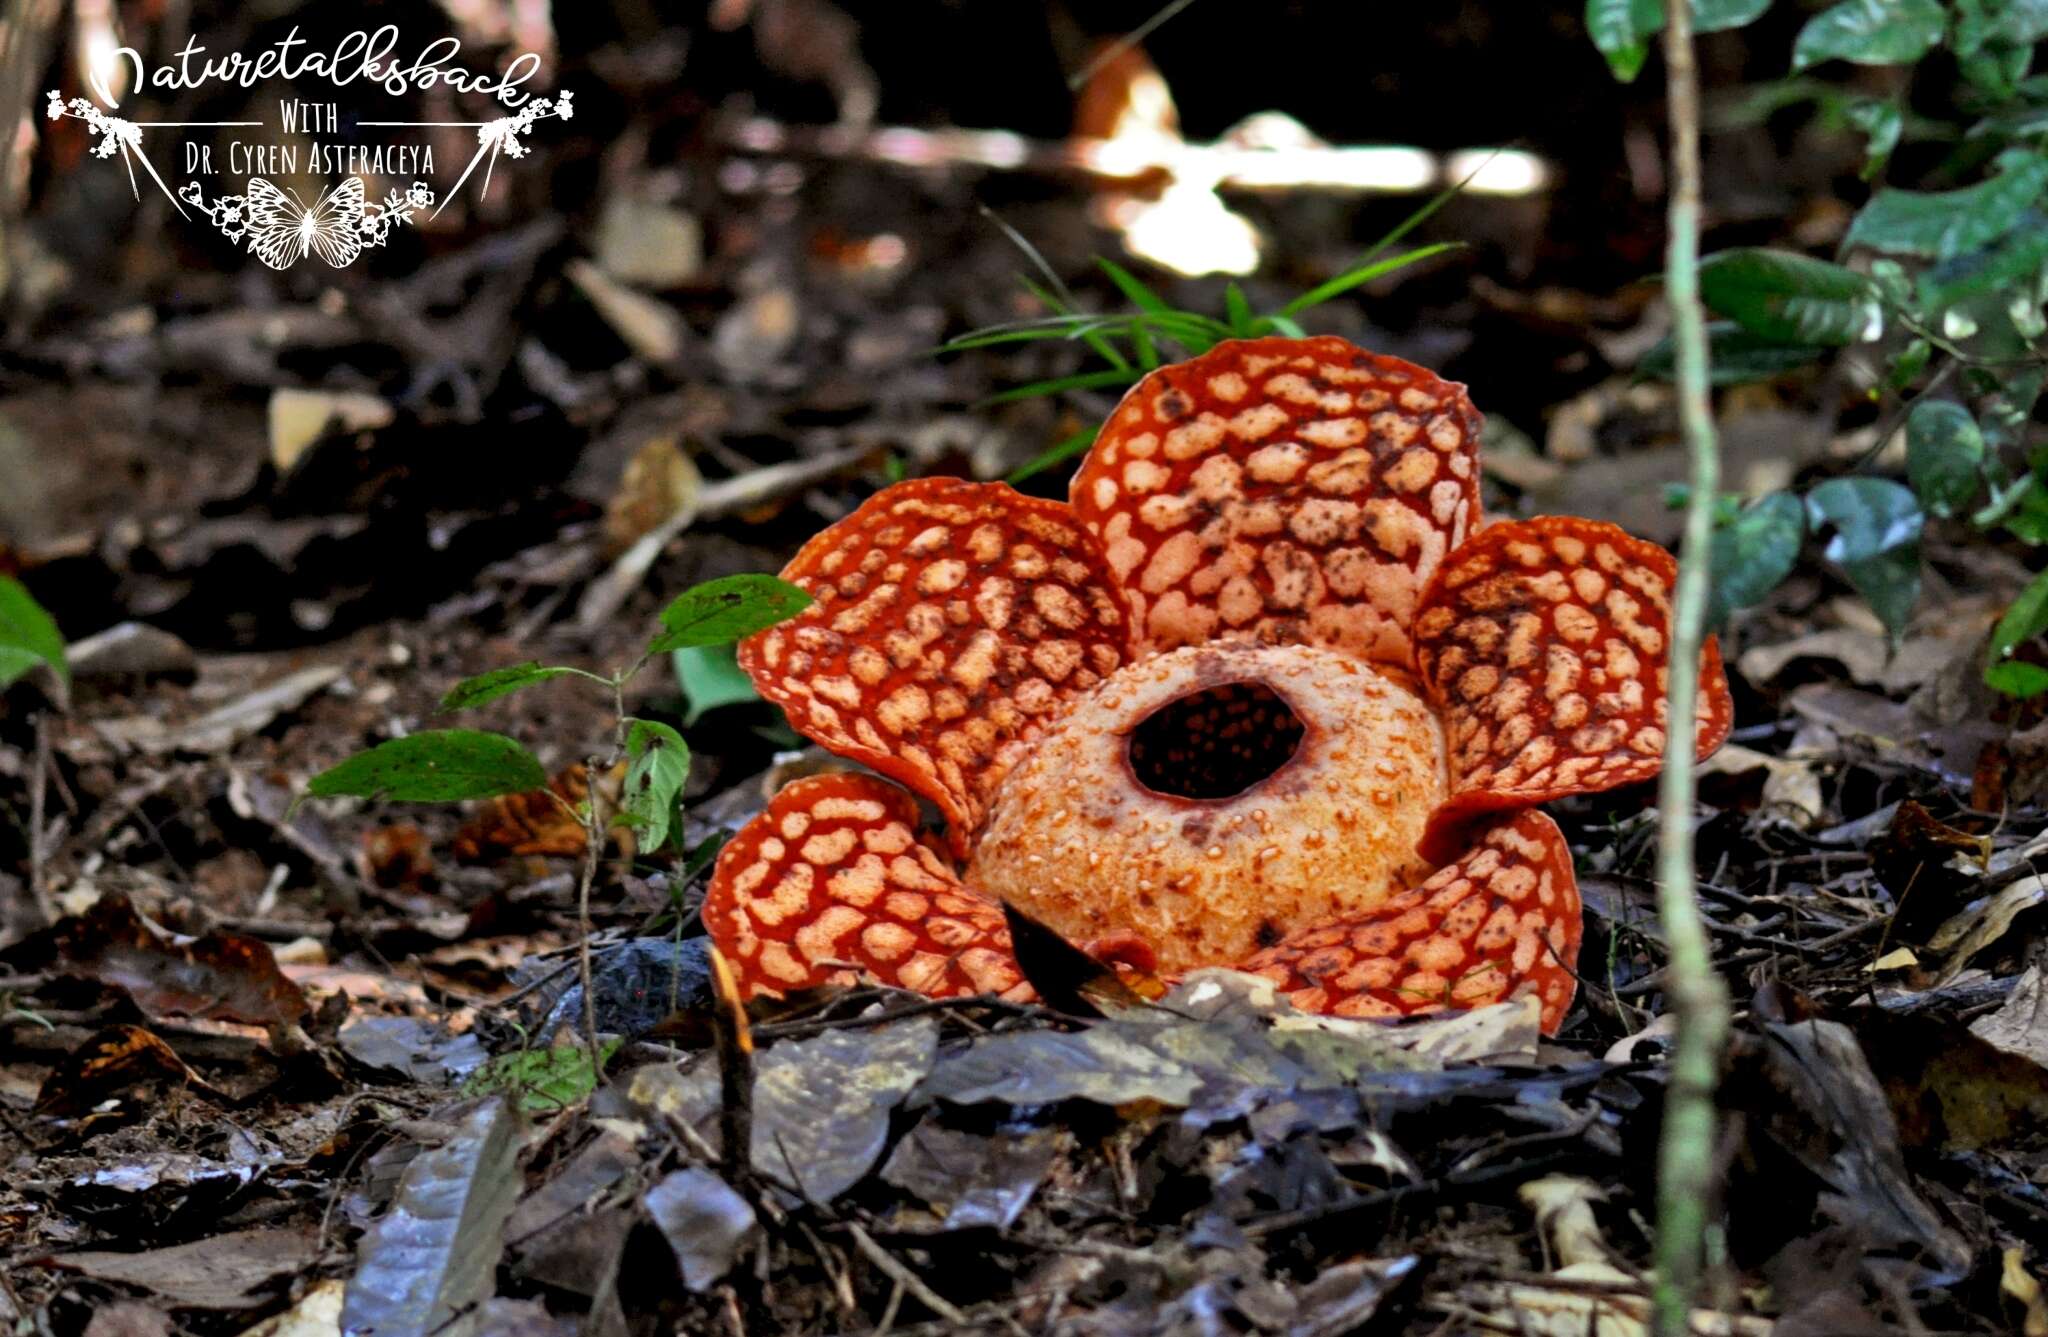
{"points": [[1699, 1002]]}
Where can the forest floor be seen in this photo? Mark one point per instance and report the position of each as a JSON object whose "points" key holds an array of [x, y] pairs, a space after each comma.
{"points": [[248, 1052]]}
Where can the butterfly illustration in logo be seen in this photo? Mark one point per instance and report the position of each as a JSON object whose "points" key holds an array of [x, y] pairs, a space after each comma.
{"points": [[282, 231]]}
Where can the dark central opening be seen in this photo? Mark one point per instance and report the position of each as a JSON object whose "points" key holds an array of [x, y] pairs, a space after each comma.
{"points": [[1215, 743]]}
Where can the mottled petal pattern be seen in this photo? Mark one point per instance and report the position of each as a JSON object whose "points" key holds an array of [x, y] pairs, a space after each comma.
{"points": [[1544, 645], [1283, 490], [831, 884], [1502, 922], [952, 620]]}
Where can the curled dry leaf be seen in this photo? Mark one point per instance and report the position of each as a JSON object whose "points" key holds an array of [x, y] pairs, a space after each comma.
{"points": [[111, 1063], [1984, 923], [1823, 1106], [2021, 1025], [219, 976]]}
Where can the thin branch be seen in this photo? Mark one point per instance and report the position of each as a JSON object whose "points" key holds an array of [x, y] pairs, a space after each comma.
{"points": [[904, 1277], [1699, 1000]]}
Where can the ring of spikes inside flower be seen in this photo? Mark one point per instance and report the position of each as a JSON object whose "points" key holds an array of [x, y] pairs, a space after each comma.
{"points": [[1263, 694]]}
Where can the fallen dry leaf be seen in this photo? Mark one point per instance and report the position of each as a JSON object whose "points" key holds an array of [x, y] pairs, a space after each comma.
{"points": [[219, 976], [111, 1063]]}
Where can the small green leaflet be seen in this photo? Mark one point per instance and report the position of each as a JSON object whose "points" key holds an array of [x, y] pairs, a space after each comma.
{"points": [[1876, 541], [1941, 225], [1622, 29], [437, 766], [1734, 356], [473, 692], [1870, 32], [2026, 619], [1944, 455], [1786, 298], [28, 636], [659, 766], [544, 1081], [1754, 551], [2018, 678], [710, 677], [1882, 122], [727, 609]]}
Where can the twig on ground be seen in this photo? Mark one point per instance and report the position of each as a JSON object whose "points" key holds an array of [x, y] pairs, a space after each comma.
{"points": [[903, 1276]]}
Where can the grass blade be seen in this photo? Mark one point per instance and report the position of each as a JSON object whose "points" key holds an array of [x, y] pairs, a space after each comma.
{"points": [[1087, 380], [1052, 455], [1364, 272], [1063, 303], [1239, 311]]}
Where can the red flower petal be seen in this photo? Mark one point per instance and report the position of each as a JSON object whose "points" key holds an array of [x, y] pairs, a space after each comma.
{"points": [[831, 883], [1501, 922], [1292, 490], [1544, 643], [952, 619]]}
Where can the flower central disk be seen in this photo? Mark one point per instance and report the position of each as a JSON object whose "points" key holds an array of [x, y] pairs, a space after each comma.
{"points": [[1211, 799]]}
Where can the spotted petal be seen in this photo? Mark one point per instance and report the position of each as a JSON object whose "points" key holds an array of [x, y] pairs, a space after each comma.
{"points": [[952, 619], [1289, 490], [831, 884], [1502, 922], [1544, 646]]}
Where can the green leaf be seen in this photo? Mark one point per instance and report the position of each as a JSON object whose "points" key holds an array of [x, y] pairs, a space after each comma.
{"points": [[2006, 413], [2016, 265], [2017, 678], [473, 692], [1753, 553], [1621, 29], [28, 636], [1876, 541], [1997, 70], [544, 1081], [435, 766], [710, 677], [1942, 225], [1734, 356], [1944, 455], [727, 609], [2026, 619], [1720, 15], [1786, 298], [1882, 122], [1870, 32], [658, 767], [15, 661], [1908, 364], [2021, 22]]}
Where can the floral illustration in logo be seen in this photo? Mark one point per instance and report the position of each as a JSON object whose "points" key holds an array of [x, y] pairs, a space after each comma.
{"points": [[115, 134], [337, 227], [503, 136], [281, 231]]}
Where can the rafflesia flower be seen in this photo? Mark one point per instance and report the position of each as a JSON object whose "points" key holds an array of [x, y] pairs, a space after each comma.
{"points": [[1263, 694]]}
